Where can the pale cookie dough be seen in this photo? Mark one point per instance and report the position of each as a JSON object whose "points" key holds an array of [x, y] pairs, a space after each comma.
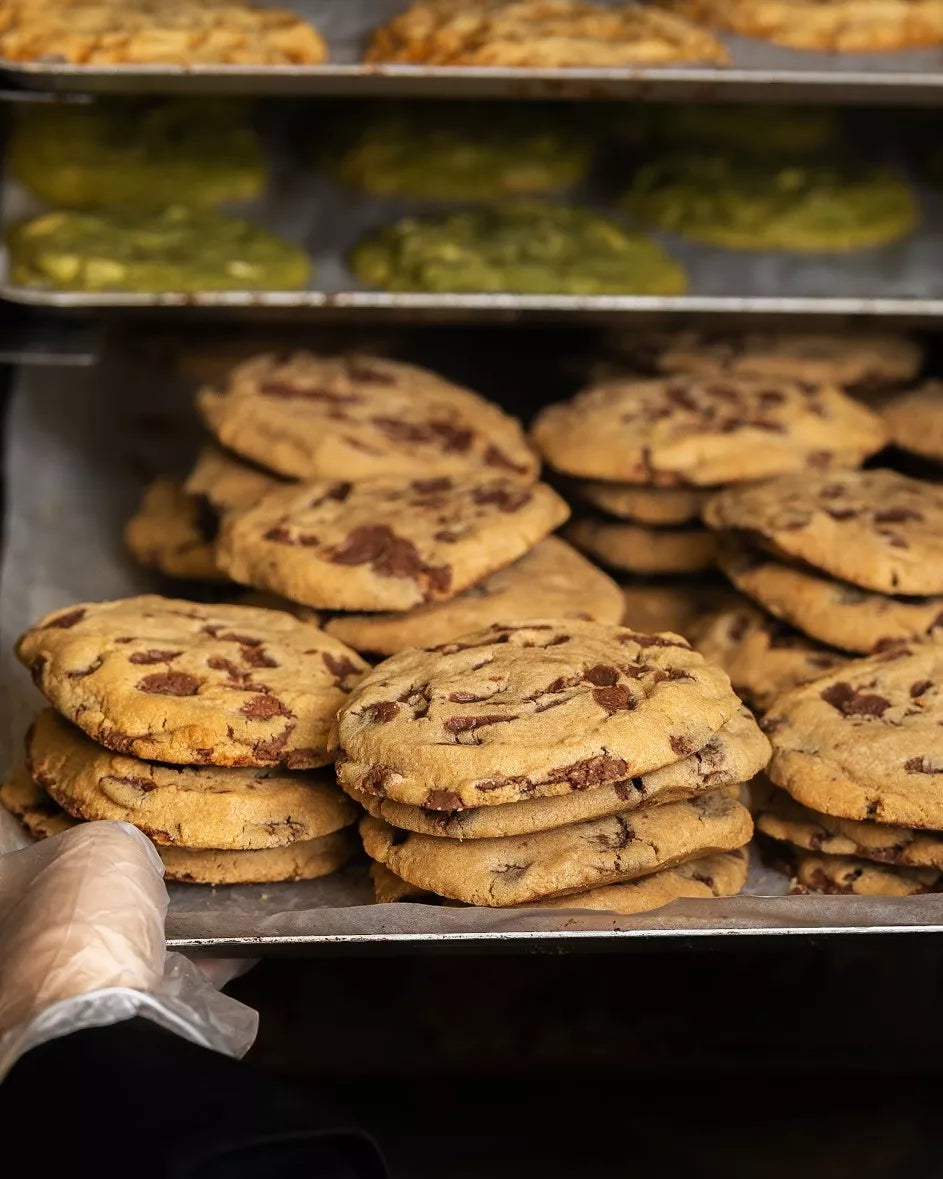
{"points": [[780, 817], [877, 529], [866, 741], [763, 657], [193, 806], [523, 868], [540, 34], [831, 611], [362, 417], [658, 506], [527, 710], [193, 684], [701, 430], [852, 361], [635, 548], [385, 544], [227, 484], [843, 26], [915, 419], [846, 876], [735, 754], [723, 875], [552, 580], [172, 533], [677, 606], [171, 32]]}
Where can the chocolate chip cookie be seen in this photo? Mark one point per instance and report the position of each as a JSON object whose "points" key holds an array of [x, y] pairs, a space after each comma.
{"points": [[831, 611], [528, 710], [193, 684], [173, 533], [732, 755], [915, 419], [866, 741], [193, 806], [361, 417], [552, 580], [523, 868], [677, 606], [635, 548], [538, 34], [225, 483], [847, 876], [657, 506], [41, 815], [878, 529], [780, 817], [763, 657], [385, 544], [672, 431]]}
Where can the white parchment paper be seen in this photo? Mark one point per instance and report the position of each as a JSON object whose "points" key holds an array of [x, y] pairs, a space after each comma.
{"points": [[79, 445]]}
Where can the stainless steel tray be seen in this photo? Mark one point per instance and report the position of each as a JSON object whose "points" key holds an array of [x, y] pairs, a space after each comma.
{"points": [[78, 444], [903, 281], [758, 72]]}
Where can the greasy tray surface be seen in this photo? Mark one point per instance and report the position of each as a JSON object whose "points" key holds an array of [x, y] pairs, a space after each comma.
{"points": [[76, 449], [914, 75], [306, 207]]}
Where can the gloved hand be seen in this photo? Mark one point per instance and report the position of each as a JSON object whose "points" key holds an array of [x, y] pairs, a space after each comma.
{"points": [[82, 945]]}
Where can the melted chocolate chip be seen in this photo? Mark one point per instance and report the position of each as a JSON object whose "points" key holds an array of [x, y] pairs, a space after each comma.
{"points": [[378, 546], [617, 699], [170, 683], [153, 656], [602, 676], [920, 687], [494, 457], [264, 708], [64, 621], [850, 702], [382, 712], [465, 724], [443, 800], [505, 499], [339, 666], [922, 765], [680, 745]]}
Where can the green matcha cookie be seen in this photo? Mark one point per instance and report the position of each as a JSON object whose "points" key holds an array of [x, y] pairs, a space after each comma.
{"points": [[138, 153], [461, 152], [759, 203], [177, 250], [526, 248], [758, 129]]}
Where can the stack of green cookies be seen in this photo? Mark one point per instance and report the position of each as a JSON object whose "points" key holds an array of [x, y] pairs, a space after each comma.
{"points": [[135, 187], [204, 726], [569, 764], [857, 758], [404, 504]]}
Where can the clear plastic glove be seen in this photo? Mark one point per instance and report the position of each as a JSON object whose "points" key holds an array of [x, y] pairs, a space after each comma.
{"points": [[82, 945]]}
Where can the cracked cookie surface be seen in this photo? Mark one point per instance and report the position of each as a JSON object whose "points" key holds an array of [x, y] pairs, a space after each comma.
{"points": [[385, 544], [518, 869], [866, 741], [361, 417], [669, 431], [733, 755], [878, 529], [187, 683], [528, 709], [552, 580]]}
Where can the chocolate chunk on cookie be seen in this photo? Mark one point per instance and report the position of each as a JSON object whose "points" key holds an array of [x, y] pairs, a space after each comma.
{"points": [[193, 684], [528, 710]]}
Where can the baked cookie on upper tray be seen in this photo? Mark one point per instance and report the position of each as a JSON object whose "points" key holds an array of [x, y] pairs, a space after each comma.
{"points": [[540, 35], [193, 684], [843, 26], [763, 203], [528, 710], [361, 417], [385, 544], [175, 250], [517, 248], [878, 529], [673, 431], [552, 580]]}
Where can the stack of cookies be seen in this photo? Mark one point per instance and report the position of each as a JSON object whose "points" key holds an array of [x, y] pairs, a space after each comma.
{"points": [[857, 758], [204, 726], [646, 453], [379, 491], [853, 560], [551, 762]]}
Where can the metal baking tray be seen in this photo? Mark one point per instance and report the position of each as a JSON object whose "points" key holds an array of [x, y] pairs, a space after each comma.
{"points": [[758, 72], [902, 281], [77, 448]]}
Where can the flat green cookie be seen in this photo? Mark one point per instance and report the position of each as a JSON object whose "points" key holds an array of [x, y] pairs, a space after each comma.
{"points": [[138, 153], [527, 248], [760, 129], [759, 203], [178, 249], [459, 152]]}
